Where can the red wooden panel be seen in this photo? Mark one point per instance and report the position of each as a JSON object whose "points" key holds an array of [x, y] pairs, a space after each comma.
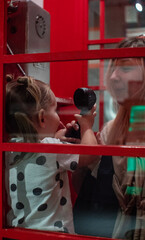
{"points": [[74, 55], [64, 37], [23, 234], [75, 149], [104, 41], [67, 34], [1, 107]]}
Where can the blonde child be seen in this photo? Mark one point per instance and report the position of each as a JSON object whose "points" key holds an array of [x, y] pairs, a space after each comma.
{"points": [[38, 187]]}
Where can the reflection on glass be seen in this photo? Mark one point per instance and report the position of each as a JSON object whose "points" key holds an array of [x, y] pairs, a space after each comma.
{"points": [[131, 79], [107, 46], [124, 18], [136, 170], [93, 69], [116, 208], [110, 108], [114, 204], [96, 121], [93, 72], [94, 19], [136, 136]]}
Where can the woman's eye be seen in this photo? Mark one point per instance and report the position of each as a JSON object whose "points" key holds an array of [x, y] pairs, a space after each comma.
{"points": [[126, 68]]}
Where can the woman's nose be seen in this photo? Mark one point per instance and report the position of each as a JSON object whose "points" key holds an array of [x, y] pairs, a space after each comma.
{"points": [[115, 75]]}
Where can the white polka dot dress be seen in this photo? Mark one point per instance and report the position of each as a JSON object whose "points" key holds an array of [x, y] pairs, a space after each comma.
{"points": [[39, 193]]}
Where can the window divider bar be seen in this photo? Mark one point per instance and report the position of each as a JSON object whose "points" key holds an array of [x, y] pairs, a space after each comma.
{"points": [[113, 150], [74, 55]]}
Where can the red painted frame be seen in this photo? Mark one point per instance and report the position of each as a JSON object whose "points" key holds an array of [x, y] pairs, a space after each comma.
{"points": [[95, 150]]}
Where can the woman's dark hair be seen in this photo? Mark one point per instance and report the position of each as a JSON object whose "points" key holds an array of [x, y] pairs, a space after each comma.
{"points": [[138, 41]]}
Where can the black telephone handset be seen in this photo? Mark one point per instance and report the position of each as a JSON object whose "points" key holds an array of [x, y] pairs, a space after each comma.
{"points": [[84, 99]]}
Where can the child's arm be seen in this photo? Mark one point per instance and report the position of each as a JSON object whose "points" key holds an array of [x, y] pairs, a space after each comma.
{"points": [[87, 135]]}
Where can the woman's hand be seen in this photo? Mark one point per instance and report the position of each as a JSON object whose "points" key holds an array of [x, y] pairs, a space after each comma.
{"points": [[99, 140]]}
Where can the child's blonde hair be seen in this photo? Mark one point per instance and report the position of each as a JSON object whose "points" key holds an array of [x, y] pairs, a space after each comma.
{"points": [[25, 96]]}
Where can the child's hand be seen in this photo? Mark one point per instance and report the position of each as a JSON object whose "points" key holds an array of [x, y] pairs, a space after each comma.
{"points": [[87, 120], [60, 134], [73, 124], [69, 126]]}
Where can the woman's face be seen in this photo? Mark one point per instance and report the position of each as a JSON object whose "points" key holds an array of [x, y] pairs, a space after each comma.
{"points": [[126, 78]]}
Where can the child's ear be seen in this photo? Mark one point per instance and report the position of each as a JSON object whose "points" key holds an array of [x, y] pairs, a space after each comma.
{"points": [[41, 118]]}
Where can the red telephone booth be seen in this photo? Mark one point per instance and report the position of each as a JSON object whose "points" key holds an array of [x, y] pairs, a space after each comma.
{"points": [[68, 45]]}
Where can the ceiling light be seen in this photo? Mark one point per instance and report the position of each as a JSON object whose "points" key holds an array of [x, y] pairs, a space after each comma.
{"points": [[139, 6]]}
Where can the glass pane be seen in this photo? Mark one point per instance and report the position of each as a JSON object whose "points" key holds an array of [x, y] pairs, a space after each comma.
{"points": [[28, 28], [110, 109], [108, 46], [97, 204], [101, 204], [124, 17], [66, 78], [38, 190], [96, 122], [93, 69], [35, 70], [103, 207], [94, 19], [93, 72], [124, 81]]}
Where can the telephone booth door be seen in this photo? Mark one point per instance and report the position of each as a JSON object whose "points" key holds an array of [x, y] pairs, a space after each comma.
{"points": [[68, 45]]}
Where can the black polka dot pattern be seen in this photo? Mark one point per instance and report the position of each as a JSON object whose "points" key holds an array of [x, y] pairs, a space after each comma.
{"points": [[57, 164], [13, 187], [42, 207], [19, 205], [61, 183], [63, 201], [66, 230], [37, 191], [58, 224], [41, 160], [21, 220], [20, 176], [73, 165], [57, 177]]}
